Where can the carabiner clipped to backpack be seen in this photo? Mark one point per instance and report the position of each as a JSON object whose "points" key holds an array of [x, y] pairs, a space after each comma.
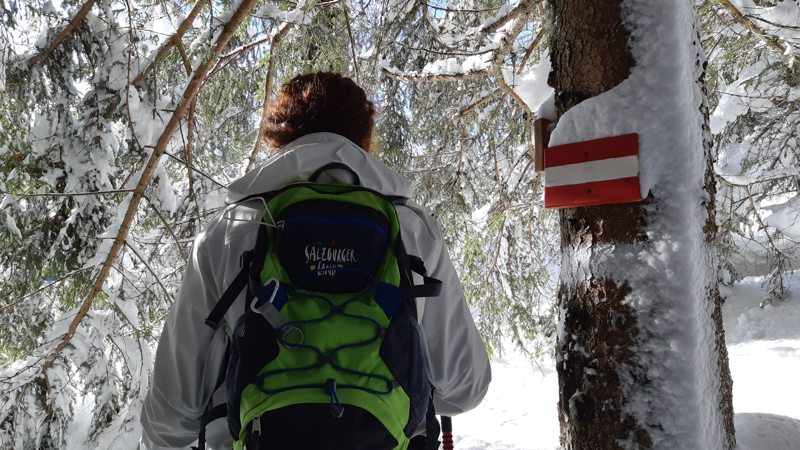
{"points": [[272, 315]]}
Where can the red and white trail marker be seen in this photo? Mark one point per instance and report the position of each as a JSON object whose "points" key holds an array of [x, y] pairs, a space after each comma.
{"points": [[598, 172]]}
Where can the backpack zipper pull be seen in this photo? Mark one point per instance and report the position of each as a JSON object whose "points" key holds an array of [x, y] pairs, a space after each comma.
{"points": [[336, 408]]}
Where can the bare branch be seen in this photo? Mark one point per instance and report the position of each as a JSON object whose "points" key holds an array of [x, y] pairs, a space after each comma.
{"points": [[276, 40], [189, 94], [71, 26], [187, 65]]}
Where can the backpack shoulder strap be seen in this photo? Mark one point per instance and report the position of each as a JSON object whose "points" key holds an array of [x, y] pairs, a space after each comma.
{"points": [[232, 292], [430, 287], [250, 264]]}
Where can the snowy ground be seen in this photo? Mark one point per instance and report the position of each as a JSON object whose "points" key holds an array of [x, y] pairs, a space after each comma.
{"points": [[764, 347], [520, 409]]}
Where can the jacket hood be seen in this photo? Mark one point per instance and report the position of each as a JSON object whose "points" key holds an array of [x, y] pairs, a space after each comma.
{"points": [[301, 157]]}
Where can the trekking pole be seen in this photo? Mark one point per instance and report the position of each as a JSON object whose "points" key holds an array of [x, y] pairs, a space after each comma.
{"points": [[447, 433]]}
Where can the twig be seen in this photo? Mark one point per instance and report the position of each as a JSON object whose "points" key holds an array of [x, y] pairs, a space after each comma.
{"points": [[508, 90], [444, 52], [231, 55], [71, 26], [195, 169], [149, 269], [189, 93], [169, 229]]}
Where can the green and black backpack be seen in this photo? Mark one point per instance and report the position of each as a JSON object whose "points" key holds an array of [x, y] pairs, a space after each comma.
{"points": [[327, 352]]}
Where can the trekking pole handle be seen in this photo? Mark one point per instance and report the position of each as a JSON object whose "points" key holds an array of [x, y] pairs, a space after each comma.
{"points": [[447, 433]]}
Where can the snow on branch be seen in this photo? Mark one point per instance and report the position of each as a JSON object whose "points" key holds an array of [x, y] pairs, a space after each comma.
{"points": [[234, 20], [71, 26], [770, 38], [501, 31], [508, 13], [174, 40]]}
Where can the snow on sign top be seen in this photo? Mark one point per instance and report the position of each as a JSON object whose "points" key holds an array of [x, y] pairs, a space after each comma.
{"points": [[597, 172]]}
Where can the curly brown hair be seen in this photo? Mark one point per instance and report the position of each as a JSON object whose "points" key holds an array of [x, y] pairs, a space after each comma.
{"points": [[315, 102]]}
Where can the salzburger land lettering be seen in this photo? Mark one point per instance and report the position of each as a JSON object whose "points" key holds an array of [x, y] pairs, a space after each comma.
{"points": [[329, 255]]}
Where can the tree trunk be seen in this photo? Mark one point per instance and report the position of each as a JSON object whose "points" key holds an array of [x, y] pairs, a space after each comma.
{"points": [[608, 350]]}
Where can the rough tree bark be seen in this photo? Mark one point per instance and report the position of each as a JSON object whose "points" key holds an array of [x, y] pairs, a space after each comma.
{"points": [[598, 360]]}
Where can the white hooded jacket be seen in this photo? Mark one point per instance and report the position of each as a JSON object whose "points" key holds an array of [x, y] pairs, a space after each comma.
{"points": [[190, 354]]}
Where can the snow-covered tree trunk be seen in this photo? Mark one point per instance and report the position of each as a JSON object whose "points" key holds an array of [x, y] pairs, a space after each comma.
{"points": [[640, 348]]}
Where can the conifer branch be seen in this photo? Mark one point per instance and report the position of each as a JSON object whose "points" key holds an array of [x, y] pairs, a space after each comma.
{"points": [[174, 40], [16, 302], [268, 82], [477, 104], [753, 28], [149, 268], [189, 94], [506, 44], [433, 77], [59, 39], [523, 10]]}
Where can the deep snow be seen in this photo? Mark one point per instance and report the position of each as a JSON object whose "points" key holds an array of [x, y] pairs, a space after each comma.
{"points": [[519, 411]]}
